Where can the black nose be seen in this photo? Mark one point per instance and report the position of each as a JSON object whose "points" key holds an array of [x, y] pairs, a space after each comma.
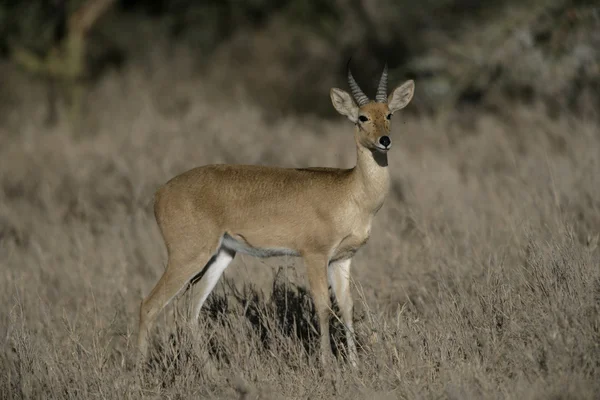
{"points": [[385, 141]]}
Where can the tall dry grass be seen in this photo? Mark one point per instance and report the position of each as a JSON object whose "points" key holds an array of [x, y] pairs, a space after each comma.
{"points": [[481, 278]]}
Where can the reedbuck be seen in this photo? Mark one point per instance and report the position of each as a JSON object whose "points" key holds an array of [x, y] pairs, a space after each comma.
{"points": [[323, 215]]}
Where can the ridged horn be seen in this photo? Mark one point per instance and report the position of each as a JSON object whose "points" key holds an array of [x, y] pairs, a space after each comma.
{"points": [[381, 96], [359, 96]]}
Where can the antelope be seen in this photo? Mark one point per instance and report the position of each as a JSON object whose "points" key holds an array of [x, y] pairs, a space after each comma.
{"points": [[322, 215]]}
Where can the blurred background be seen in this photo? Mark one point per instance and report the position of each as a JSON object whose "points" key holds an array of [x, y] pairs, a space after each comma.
{"points": [[286, 54]]}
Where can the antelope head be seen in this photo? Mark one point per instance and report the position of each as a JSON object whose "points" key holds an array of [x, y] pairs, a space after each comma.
{"points": [[372, 118]]}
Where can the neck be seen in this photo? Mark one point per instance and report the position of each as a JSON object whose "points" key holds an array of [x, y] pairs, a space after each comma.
{"points": [[372, 177]]}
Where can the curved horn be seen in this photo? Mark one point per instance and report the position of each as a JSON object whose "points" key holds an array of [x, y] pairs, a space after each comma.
{"points": [[359, 96], [381, 96]]}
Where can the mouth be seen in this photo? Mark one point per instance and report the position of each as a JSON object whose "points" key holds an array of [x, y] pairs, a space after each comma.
{"points": [[382, 149]]}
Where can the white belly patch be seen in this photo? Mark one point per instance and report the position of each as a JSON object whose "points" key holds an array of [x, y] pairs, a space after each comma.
{"points": [[244, 248]]}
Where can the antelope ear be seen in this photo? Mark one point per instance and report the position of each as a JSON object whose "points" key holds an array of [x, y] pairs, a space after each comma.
{"points": [[344, 104], [401, 96]]}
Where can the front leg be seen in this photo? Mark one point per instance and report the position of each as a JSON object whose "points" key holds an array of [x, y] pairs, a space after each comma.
{"points": [[339, 276], [316, 269]]}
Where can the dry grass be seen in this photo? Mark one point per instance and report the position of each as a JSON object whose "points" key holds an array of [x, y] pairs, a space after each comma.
{"points": [[479, 280]]}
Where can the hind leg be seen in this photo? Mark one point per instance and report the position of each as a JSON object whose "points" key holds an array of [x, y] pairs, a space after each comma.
{"points": [[181, 268], [213, 271]]}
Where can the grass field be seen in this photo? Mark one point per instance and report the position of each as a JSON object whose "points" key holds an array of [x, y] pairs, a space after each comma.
{"points": [[481, 278]]}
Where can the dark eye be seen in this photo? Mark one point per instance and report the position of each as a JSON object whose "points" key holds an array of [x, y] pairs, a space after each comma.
{"points": [[389, 116], [362, 118]]}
